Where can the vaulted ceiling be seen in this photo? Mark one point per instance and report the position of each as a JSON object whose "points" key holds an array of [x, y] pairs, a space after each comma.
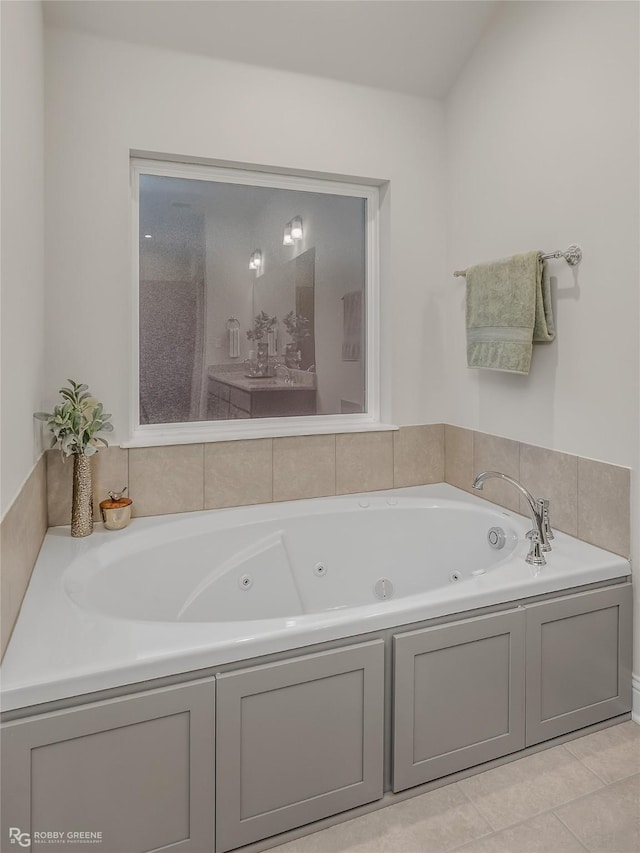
{"points": [[412, 46]]}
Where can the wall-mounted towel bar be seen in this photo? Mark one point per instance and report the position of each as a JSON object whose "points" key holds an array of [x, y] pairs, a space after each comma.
{"points": [[572, 255]]}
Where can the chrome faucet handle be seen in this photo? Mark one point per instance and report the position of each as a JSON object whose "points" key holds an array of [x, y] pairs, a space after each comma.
{"points": [[535, 556], [546, 522], [542, 536]]}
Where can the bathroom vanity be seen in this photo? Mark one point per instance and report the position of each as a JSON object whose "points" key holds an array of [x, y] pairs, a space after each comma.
{"points": [[233, 395], [218, 758]]}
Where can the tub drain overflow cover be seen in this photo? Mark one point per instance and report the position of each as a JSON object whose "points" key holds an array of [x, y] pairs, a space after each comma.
{"points": [[383, 589]]}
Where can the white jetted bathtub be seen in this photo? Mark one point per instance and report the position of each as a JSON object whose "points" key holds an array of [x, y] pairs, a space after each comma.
{"points": [[173, 594]]}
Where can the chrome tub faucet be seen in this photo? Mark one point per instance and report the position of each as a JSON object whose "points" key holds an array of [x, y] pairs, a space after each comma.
{"points": [[541, 532]]}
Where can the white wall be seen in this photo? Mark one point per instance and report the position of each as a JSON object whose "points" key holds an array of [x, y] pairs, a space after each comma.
{"points": [[22, 238], [104, 98], [542, 137], [229, 284]]}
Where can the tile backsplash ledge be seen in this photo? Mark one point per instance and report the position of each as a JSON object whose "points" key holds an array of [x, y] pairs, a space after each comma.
{"points": [[21, 534], [589, 499], [184, 478]]}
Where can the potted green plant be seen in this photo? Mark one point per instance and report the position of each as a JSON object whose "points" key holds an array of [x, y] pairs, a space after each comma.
{"points": [[299, 328], [263, 325], [75, 424]]}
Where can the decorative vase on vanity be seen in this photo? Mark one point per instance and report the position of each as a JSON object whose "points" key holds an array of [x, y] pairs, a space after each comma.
{"points": [[263, 359], [75, 425], [82, 500]]}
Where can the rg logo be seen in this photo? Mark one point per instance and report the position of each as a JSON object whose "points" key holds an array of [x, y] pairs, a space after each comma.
{"points": [[19, 837]]}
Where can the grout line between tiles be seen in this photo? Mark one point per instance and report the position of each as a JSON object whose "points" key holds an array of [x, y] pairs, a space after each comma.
{"points": [[393, 458], [588, 793], [590, 769], [473, 458], [579, 840], [494, 832], [578, 525], [491, 832], [603, 785], [444, 450], [335, 464]]}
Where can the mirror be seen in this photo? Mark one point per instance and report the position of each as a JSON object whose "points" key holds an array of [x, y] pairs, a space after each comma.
{"points": [[251, 301], [287, 293]]}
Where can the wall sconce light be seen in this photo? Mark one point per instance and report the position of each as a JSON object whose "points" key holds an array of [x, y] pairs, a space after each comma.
{"points": [[255, 261], [292, 231], [296, 228]]}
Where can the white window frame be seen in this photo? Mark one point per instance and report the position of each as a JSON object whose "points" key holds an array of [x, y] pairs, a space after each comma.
{"points": [[148, 435]]}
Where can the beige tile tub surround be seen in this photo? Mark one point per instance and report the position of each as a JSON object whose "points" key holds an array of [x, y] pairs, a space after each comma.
{"points": [[166, 479], [21, 535], [109, 471], [458, 457], [604, 505], [552, 475], [418, 455], [492, 453], [237, 473], [364, 462], [304, 466], [588, 499]]}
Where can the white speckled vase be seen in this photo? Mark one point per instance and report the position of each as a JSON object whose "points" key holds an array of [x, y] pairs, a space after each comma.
{"points": [[82, 504]]}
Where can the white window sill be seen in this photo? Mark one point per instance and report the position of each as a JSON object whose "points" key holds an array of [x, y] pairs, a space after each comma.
{"points": [[158, 435]]}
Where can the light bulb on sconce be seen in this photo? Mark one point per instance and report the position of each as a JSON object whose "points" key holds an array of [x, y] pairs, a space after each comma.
{"points": [[255, 261], [296, 228], [292, 231]]}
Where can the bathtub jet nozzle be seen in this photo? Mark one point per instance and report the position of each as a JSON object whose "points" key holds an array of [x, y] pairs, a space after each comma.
{"points": [[537, 508]]}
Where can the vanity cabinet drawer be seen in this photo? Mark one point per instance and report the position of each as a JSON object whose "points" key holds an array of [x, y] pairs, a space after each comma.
{"points": [[240, 399], [235, 412], [217, 409], [138, 769], [297, 741], [219, 389], [578, 661], [458, 696]]}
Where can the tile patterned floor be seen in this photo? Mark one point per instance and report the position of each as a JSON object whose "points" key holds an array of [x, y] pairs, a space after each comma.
{"points": [[582, 796]]}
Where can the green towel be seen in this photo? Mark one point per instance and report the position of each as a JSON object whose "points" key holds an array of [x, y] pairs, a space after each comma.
{"points": [[508, 309]]}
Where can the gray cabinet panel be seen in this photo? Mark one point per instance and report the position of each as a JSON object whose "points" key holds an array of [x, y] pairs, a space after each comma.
{"points": [[578, 661], [459, 696], [138, 769], [298, 740]]}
